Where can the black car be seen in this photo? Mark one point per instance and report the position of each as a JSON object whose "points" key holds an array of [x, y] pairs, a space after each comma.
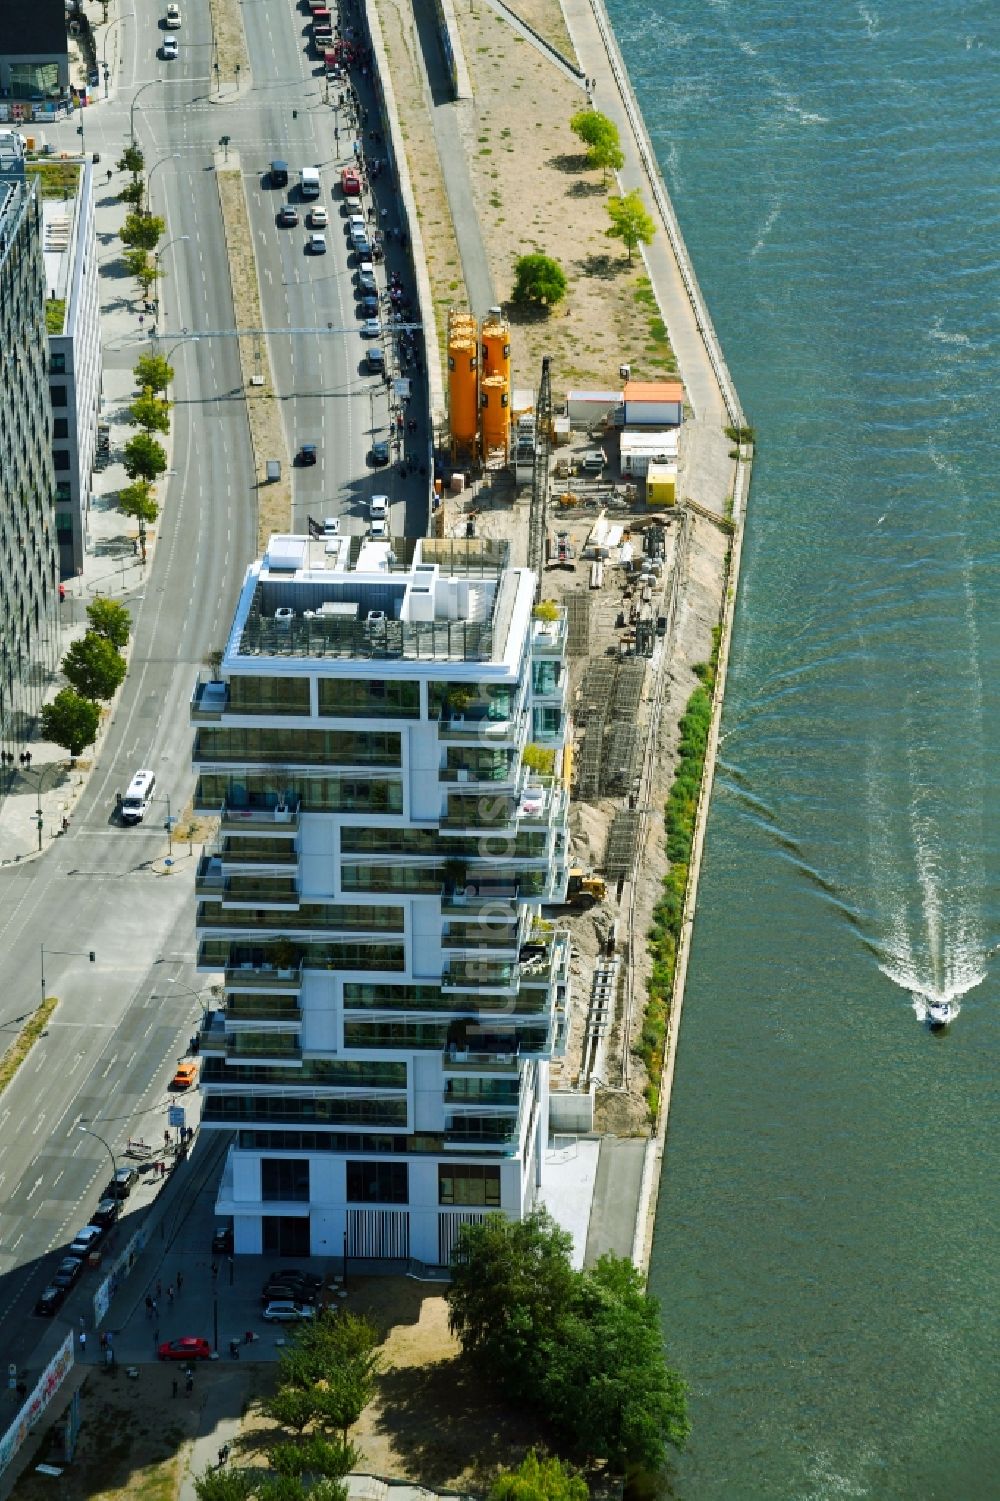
{"points": [[106, 1213], [283, 1292], [307, 454], [222, 1240], [121, 1184], [379, 455], [369, 305], [278, 174], [50, 1300], [306, 1283], [67, 1272]]}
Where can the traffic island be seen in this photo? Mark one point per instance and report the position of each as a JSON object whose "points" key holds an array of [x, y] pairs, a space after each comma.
{"points": [[267, 434]]}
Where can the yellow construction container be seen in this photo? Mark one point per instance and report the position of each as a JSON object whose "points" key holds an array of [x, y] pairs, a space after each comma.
{"points": [[463, 390], [496, 348], [495, 403], [661, 485]]}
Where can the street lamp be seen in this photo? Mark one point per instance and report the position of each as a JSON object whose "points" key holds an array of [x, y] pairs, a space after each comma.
{"points": [[169, 825], [135, 100], [90, 953], [107, 1146], [41, 774], [172, 156]]}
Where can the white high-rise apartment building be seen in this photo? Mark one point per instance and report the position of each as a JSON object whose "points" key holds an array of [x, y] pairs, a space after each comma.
{"points": [[384, 747]]}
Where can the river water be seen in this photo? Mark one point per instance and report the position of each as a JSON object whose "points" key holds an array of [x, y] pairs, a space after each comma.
{"points": [[826, 1248]]}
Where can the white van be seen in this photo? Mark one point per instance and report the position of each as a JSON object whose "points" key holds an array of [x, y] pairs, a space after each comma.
{"points": [[309, 182], [138, 797]]}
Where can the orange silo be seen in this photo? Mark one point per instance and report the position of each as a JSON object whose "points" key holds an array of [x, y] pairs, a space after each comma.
{"points": [[463, 389], [496, 346], [495, 402]]}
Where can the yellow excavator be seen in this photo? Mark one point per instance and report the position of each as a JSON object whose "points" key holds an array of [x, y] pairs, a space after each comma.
{"points": [[585, 889]]}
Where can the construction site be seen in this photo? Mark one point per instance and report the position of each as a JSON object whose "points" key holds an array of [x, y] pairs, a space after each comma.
{"points": [[589, 489]]}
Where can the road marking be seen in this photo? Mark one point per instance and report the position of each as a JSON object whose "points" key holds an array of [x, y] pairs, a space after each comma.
{"points": [[38, 1127], [58, 1180], [105, 1072], [33, 1190]]}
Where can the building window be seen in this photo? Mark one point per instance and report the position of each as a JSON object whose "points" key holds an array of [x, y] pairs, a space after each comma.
{"points": [[60, 427], [60, 460], [284, 1179], [251, 695], [57, 364], [377, 1183], [469, 1183], [63, 492], [58, 395], [362, 698]]}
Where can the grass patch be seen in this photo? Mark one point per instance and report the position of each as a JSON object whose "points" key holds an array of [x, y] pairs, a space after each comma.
{"points": [[25, 1041], [55, 314], [679, 816], [56, 179]]}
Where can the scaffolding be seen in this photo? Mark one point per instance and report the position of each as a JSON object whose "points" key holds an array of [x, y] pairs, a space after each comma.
{"points": [[623, 746], [623, 839], [629, 684], [578, 624]]}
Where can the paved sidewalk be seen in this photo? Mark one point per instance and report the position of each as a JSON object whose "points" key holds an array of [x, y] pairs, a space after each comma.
{"points": [[112, 568]]}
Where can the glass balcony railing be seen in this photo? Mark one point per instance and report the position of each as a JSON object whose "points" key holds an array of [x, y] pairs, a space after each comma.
{"points": [[250, 815], [262, 1009], [249, 975], [209, 702], [548, 637]]}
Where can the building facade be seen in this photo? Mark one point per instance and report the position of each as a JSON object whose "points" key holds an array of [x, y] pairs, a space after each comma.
{"points": [[384, 747], [73, 312], [34, 52], [29, 575]]}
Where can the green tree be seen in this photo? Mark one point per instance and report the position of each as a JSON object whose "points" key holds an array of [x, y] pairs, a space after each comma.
{"points": [[150, 274], [150, 412], [131, 160], [144, 458], [539, 1480], [630, 221], [539, 279], [314, 1455], [94, 667], [133, 192], [227, 1485], [110, 619], [71, 721], [510, 1279], [142, 231], [608, 155], [151, 372], [591, 127], [137, 501], [607, 1387]]}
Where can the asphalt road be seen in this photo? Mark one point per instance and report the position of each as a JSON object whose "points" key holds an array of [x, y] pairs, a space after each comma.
{"points": [[121, 1024]]}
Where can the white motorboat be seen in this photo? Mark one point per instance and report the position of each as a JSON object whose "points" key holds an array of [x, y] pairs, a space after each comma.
{"points": [[940, 1014]]}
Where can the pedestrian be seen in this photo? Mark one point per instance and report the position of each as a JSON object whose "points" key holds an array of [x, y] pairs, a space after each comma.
{"points": [[234, 1349], [142, 319], [180, 1280], [83, 1323], [223, 1455], [149, 1306], [215, 1270], [189, 1384], [83, 1341], [248, 1337], [155, 1306], [175, 1383], [170, 1294]]}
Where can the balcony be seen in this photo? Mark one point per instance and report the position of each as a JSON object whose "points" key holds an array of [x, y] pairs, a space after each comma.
{"points": [[249, 978], [494, 1094], [248, 854], [209, 702], [483, 976], [258, 1048], [262, 1011], [548, 637], [277, 818], [483, 731], [544, 961], [239, 892]]}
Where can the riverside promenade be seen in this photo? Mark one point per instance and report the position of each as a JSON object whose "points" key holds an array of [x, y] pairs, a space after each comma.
{"points": [[711, 478]]}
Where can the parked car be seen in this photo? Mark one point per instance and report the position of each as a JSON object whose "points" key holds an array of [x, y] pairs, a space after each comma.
{"points": [[87, 1240], [185, 1075], [222, 1240], [357, 223], [288, 216], [371, 328], [378, 506], [69, 1270], [316, 244], [189, 1347], [284, 1311], [365, 279], [379, 531], [169, 49], [376, 359], [106, 1213], [379, 454], [280, 1292], [295, 1274], [368, 304], [307, 454], [331, 526], [121, 1184], [50, 1299]]}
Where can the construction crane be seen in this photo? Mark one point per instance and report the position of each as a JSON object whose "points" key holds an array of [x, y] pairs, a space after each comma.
{"points": [[540, 476]]}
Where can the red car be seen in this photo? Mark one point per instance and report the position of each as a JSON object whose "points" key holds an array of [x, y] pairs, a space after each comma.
{"points": [[188, 1348], [350, 183]]}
